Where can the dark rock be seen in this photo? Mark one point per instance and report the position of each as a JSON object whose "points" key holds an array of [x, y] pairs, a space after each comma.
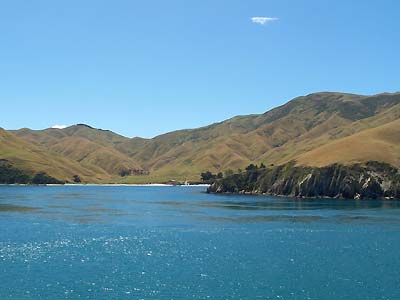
{"points": [[372, 180]]}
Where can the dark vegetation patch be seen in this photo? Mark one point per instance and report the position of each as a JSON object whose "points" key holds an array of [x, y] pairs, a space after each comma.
{"points": [[12, 175]]}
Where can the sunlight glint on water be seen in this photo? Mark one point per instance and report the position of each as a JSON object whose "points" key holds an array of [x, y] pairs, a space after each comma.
{"points": [[180, 243]]}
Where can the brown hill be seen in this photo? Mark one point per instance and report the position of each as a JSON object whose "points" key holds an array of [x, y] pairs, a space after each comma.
{"points": [[305, 127], [275, 137], [92, 148], [32, 158], [376, 144]]}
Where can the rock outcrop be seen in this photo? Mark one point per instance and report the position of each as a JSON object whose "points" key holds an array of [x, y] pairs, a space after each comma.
{"points": [[368, 181]]}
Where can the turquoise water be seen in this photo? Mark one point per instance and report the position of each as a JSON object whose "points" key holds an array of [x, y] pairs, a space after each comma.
{"points": [[180, 243]]}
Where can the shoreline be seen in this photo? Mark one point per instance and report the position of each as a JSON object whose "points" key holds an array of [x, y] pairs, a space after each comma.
{"points": [[300, 197], [129, 184], [111, 184]]}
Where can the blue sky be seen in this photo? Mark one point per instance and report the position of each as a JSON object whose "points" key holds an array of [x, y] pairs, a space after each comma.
{"points": [[143, 68]]}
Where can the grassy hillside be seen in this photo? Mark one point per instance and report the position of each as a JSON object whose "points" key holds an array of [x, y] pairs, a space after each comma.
{"points": [[92, 148], [28, 156], [380, 144], [319, 128], [275, 137]]}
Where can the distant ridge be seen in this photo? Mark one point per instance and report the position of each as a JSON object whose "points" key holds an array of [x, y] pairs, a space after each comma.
{"points": [[81, 124], [88, 126]]}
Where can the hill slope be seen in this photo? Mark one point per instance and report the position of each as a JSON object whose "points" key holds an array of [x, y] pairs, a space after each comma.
{"points": [[276, 137], [92, 148], [376, 144], [32, 158], [320, 125]]}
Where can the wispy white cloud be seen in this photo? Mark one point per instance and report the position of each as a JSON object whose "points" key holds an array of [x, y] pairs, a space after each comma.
{"points": [[59, 126], [263, 20]]}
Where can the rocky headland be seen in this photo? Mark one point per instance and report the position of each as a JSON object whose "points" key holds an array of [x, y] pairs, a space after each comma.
{"points": [[371, 180]]}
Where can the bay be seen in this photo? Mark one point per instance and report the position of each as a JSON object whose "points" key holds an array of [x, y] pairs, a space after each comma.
{"points": [[131, 242]]}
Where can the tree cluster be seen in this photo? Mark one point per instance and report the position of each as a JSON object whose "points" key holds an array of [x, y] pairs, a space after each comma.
{"points": [[209, 177], [242, 180], [11, 175]]}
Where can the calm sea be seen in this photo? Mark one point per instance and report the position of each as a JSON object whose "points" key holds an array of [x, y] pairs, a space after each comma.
{"points": [[80, 242]]}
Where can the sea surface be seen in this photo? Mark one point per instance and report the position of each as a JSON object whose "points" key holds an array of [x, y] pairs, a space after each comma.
{"points": [[110, 242]]}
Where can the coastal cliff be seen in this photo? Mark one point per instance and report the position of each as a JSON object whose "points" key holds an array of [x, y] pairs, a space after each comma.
{"points": [[371, 180]]}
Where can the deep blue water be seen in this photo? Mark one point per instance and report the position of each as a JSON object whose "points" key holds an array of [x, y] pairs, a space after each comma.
{"points": [[180, 243]]}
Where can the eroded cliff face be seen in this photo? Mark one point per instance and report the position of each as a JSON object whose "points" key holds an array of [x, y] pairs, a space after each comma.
{"points": [[369, 181]]}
